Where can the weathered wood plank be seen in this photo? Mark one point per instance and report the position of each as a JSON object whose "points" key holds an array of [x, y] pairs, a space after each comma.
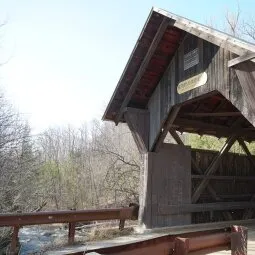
{"points": [[155, 120], [246, 74], [213, 114], [223, 177], [205, 33], [241, 59], [189, 208], [167, 181], [216, 129], [145, 198], [172, 182]]}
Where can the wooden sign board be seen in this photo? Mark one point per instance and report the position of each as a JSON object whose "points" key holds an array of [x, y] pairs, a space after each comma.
{"points": [[192, 83]]}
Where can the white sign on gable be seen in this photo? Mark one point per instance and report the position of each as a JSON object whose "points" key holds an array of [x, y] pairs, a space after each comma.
{"points": [[191, 59], [192, 83]]}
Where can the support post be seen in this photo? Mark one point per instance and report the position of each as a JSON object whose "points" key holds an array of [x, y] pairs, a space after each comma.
{"points": [[181, 246], [239, 238], [122, 224], [14, 241], [167, 180], [71, 233]]}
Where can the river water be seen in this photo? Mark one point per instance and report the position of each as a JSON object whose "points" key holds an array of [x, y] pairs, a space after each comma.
{"points": [[35, 238]]}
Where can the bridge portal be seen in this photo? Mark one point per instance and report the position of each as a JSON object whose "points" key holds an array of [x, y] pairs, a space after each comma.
{"points": [[185, 77]]}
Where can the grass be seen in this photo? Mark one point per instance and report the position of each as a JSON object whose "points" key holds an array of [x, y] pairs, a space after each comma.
{"points": [[102, 233]]}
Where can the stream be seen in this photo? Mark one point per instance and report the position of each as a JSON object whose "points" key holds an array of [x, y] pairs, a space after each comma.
{"points": [[33, 239]]}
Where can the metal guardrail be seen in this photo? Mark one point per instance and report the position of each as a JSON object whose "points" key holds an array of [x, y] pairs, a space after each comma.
{"points": [[72, 217], [201, 242], [232, 238]]}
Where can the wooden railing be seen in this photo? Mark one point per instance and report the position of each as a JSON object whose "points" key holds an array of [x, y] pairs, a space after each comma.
{"points": [[71, 217]]}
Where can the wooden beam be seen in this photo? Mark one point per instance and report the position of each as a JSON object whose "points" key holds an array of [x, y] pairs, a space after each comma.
{"points": [[231, 197], [200, 125], [223, 177], [213, 129], [213, 114], [218, 206], [138, 123], [241, 59], [246, 150], [197, 124], [164, 24], [209, 34], [196, 168], [171, 117], [213, 167], [236, 196], [219, 107]]}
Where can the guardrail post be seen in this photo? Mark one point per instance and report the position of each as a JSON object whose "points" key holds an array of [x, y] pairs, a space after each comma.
{"points": [[239, 238], [71, 233], [14, 241], [181, 246], [122, 224]]}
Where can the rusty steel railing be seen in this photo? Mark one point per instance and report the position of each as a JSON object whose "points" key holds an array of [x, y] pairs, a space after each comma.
{"points": [[72, 217], [201, 242]]}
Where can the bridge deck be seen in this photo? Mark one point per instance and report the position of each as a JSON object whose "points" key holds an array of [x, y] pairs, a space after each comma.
{"points": [[160, 232], [251, 243]]}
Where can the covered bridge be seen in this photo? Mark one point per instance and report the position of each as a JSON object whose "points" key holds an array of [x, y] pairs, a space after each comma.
{"points": [[187, 77]]}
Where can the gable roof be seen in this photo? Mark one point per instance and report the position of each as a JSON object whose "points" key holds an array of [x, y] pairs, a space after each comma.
{"points": [[160, 38]]}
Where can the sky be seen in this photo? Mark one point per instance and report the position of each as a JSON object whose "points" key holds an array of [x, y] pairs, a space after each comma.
{"points": [[61, 59]]}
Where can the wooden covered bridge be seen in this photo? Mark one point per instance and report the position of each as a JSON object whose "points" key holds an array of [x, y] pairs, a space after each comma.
{"points": [[185, 77]]}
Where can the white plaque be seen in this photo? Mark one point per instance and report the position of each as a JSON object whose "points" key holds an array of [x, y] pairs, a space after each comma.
{"points": [[192, 83], [191, 59]]}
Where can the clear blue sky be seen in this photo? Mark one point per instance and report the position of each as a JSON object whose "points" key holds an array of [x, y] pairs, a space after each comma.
{"points": [[66, 56]]}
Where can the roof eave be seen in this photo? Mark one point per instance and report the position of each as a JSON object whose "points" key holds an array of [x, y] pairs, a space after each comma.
{"points": [[128, 62]]}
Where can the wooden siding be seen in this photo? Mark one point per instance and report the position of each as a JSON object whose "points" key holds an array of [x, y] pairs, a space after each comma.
{"points": [[242, 95], [166, 180], [214, 61], [233, 183], [229, 189]]}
